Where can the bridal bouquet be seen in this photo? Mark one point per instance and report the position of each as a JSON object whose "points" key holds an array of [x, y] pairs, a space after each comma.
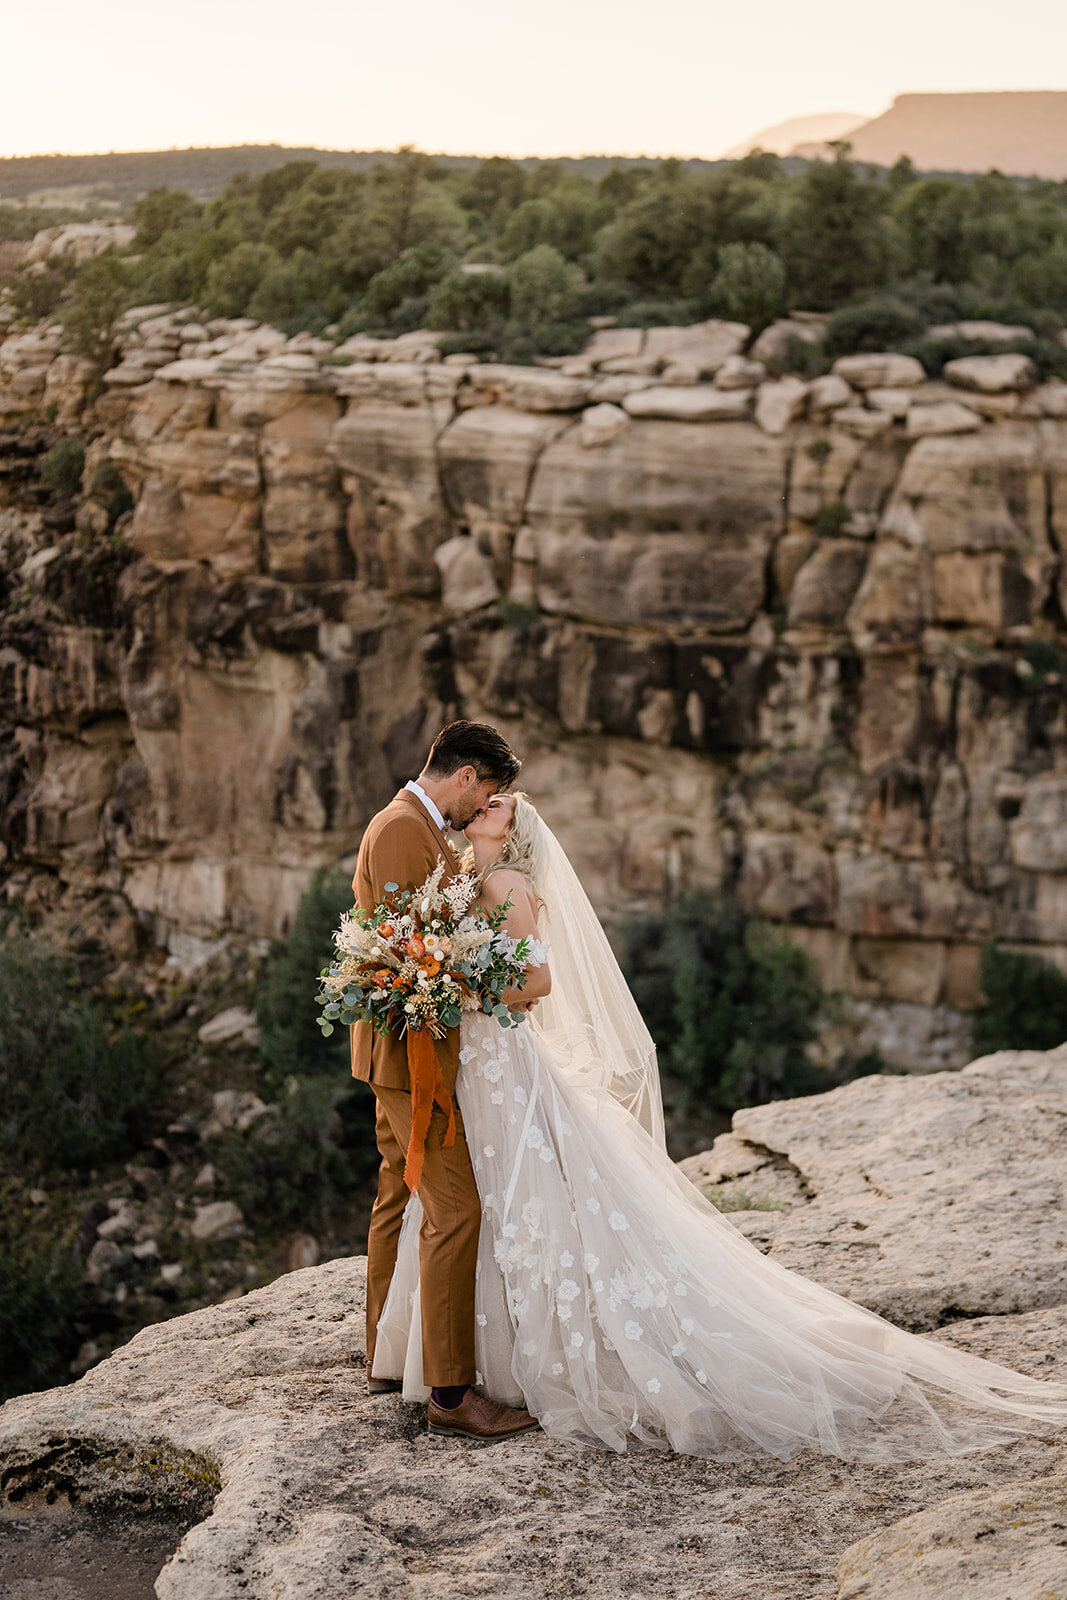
{"points": [[420, 958], [411, 967]]}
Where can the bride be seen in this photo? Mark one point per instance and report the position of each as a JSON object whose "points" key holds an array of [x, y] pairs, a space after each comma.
{"points": [[612, 1299]]}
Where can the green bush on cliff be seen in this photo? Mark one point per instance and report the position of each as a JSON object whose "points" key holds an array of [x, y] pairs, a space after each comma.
{"points": [[731, 1003], [62, 468], [1026, 1002], [38, 1328], [74, 1093], [316, 1146]]}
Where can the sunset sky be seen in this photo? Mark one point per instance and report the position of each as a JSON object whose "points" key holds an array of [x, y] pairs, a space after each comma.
{"points": [[547, 77]]}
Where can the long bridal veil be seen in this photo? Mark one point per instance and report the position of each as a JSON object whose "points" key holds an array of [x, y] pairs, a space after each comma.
{"points": [[589, 1020], [824, 1357]]}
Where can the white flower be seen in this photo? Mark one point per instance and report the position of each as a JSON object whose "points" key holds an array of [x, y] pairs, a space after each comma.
{"points": [[568, 1290], [590, 1261], [618, 1221], [563, 1313], [679, 1348], [661, 1298], [510, 1229], [529, 1347], [497, 1097], [532, 1213], [481, 1319], [545, 1153], [520, 1094], [593, 1205], [680, 1289], [687, 1325], [633, 1330], [489, 1152], [566, 1259], [702, 1377], [577, 1340], [599, 1286], [535, 1138], [557, 1369], [653, 1386]]}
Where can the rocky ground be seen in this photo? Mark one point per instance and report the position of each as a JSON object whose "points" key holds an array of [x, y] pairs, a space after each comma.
{"points": [[248, 1421]]}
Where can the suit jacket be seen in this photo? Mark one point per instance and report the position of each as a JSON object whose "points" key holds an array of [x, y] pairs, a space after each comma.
{"points": [[401, 845]]}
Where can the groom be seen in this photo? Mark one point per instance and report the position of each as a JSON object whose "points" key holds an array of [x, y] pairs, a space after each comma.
{"points": [[468, 763]]}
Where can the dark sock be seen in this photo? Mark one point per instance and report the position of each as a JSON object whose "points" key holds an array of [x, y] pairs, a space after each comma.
{"points": [[449, 1397]]}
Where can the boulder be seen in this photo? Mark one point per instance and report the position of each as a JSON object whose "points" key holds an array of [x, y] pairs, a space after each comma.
{"points": [[601, 424], [467, 581], [773, 343], [886, 370], [829, 393], [703, 346], [221, 1219], [923, 421], [778, 403], [738, 372], [861, 423], [981, 332], [992, 374], [987, 1544], [701, 403]]}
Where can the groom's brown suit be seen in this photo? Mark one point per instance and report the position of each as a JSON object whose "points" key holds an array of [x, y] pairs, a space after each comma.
{"points": [[401, 845]]}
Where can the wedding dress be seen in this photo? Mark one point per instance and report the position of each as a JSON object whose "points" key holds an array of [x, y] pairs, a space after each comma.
{"points": [[618, 1305]]}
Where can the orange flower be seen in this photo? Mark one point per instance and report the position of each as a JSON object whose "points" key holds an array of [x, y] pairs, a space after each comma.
{"points": [[432, 967], [398, 982], [416, 947], [387, 930], [383, 977]]}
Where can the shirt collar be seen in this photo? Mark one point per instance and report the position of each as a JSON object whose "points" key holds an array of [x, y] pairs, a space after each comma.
{"points": [[420, 793]]}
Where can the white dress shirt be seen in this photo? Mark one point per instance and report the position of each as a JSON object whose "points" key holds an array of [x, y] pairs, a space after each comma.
{"points": [[417, 789]]}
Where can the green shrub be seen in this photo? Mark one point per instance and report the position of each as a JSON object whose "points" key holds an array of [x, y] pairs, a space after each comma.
{"points": [[880, 323], [304, 1159], [750, 284], [831, 518], [39, 1299], [731, 1004], [543, 287], [109, 489], [1026, 1002], [73, 1093], [99, 295], [290, 1040], [62, 468], [468, 300], [316, 1145]]}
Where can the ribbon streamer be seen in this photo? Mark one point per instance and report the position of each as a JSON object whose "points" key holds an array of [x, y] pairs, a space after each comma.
{"points": [[427, 1086]]}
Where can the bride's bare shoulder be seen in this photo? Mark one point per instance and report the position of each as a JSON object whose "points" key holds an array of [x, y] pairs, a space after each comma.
{"points": [[504, 881]]}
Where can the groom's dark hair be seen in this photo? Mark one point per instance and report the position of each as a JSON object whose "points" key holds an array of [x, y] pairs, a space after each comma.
{"points": [[473, 744]]}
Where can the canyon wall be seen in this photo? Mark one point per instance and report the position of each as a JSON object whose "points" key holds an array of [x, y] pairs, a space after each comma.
{"points": [[805, 639]]}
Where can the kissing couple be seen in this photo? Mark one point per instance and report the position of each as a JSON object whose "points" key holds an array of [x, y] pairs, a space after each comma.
{"points": [[555, 1269]]}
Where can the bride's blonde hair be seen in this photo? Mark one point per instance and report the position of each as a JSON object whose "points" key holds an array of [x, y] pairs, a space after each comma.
{"points": [[518, 850]]}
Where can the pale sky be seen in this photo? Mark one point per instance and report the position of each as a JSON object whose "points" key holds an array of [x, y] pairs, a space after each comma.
{"points": [[547, 77]]}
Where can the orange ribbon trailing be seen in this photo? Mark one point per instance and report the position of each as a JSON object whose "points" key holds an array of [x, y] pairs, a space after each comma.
{"points": [[427, 1085]]}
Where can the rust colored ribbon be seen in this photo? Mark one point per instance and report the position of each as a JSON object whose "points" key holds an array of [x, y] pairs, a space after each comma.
{"points": [[427, 1085]]}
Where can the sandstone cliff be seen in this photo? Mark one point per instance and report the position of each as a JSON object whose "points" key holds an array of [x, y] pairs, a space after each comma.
{"points": [[248, 1422], [803, 638]]}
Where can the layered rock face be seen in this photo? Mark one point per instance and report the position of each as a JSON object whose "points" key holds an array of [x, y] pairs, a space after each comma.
{"points": [[801, 638], [250, 1419]]}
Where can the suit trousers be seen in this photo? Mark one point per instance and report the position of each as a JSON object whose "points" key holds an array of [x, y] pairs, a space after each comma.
{"points": [[448, 1240]]}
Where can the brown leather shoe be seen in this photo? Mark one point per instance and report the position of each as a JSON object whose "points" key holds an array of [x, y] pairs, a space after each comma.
{"points": [[476, 1417]]}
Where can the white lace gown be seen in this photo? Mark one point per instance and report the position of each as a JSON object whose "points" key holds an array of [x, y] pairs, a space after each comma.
{"points": [[623, 1310]]}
